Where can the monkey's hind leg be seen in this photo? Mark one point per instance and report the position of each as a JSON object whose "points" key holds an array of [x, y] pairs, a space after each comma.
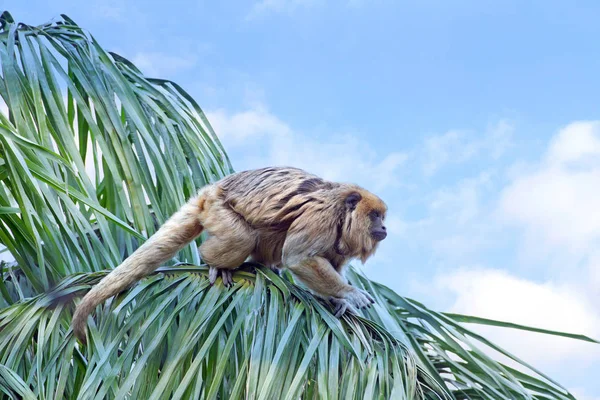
{"points": [[230, 241], [223, 255]]}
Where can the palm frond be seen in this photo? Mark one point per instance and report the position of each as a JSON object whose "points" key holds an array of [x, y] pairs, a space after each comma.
{"points": [[88, 143], [175, 336]]}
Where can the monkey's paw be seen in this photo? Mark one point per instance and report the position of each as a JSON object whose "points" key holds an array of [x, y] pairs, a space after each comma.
{"points": [[341, 306], [353, 300], [359, 298], [226, 276]]}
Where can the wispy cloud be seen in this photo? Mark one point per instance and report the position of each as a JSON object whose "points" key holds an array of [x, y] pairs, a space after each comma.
{"points": [[457, 146], [458, 220], [156, 63], [255, 137], [253, 124]]}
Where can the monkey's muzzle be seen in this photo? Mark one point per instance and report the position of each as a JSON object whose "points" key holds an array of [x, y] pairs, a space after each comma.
{"points": [[379, 234]]}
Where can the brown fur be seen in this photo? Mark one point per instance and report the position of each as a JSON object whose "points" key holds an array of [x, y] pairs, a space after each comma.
{"points": [[276, 216]]}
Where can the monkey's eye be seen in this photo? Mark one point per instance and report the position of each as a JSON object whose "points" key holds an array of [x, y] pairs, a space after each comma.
{"points": [[374, 214]]}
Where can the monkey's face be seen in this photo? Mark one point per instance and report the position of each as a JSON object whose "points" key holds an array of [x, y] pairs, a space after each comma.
{"points": [[365, 223], [377, 228]]}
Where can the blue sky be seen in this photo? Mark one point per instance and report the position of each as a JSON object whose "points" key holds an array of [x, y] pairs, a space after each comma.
{"points": [[477, 121]]}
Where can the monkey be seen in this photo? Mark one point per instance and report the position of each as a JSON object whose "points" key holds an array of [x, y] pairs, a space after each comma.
{"points": [[282, 217]]}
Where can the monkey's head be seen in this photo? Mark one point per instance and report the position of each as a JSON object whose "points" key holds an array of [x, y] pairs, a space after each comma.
{"points": [[364, 223]]}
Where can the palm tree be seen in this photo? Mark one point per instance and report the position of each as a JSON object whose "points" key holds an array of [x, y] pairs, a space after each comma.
{"points": [[93, 157]]}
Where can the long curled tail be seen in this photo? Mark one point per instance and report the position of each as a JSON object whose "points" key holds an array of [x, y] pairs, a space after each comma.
{"points": [[179, 230]]}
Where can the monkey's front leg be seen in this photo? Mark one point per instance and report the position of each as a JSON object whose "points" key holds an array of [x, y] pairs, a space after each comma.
{"points": [[320, 276]]}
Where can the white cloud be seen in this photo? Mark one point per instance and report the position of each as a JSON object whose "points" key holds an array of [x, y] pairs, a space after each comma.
{"points": [[455, 147], [159, 64], [257, 138], [557, 201], [498, 295], [557, 206], [458, 220], [254, 124], [463, 201], [577, 142]]}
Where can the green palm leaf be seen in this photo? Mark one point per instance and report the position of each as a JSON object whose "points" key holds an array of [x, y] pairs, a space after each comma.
{"points": [[93, 157]]}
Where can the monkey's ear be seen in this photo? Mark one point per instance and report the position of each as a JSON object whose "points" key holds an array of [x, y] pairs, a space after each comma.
{"points": [[352, 200]]}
